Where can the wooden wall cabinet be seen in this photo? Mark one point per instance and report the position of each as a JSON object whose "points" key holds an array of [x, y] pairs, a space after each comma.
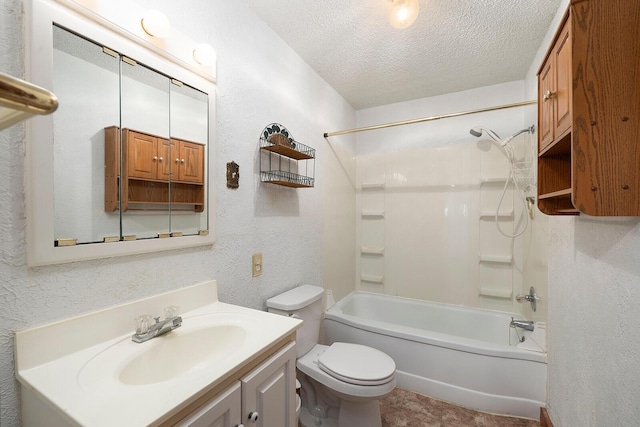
{"points": [[157, 172], [589, 112]]}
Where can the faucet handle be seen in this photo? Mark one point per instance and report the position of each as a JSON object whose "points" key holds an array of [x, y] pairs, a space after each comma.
{"points": [[171, 311], [142, 323]]}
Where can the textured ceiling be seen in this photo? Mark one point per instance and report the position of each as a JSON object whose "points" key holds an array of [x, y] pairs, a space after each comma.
{"points": [[453, 45]]}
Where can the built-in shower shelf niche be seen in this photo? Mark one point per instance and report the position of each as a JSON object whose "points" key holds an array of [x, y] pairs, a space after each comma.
{"points": [[492, 214], [371, 278], [496, 259], [373, 185], [495, 293], [285, 161], [371, 250], [371, 205], [493, 179], [372, 213]]}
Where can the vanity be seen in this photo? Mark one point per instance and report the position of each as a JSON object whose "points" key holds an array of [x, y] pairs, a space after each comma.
{"points": [[225, 365]]}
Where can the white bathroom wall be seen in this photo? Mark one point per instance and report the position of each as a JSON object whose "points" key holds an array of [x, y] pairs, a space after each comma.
{"points": [[593, 310], [260, 80], [425, 195]]}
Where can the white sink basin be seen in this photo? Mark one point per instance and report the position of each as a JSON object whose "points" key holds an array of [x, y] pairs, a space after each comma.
{"points": [[86, 371], [174, 354], [201, 342]]}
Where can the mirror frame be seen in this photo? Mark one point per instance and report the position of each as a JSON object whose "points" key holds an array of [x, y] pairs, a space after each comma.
{"points": [[113, 23]]}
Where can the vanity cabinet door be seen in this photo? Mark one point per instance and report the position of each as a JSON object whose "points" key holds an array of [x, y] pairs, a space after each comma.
{"points": [[268, 392], [223, 411]]}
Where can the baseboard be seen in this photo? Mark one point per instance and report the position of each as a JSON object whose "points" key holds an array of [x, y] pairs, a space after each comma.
{"points": [[545, 421]]}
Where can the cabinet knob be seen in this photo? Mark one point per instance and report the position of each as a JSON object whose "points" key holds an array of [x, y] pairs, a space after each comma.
{"points": [[155, 158], [253, 416], [177, 160], [547, 96], [182, 161], [160, 159]]}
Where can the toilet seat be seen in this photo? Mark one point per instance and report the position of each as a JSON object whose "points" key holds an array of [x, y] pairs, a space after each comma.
{"points": [[357, 364], [308, 365]]}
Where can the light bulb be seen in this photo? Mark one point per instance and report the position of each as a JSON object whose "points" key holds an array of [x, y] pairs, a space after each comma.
{"points": [[156, 24], [403, 13], [204, 54]]}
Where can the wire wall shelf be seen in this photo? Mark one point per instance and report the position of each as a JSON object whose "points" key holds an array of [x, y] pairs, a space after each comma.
{"points": [[285, 161]]}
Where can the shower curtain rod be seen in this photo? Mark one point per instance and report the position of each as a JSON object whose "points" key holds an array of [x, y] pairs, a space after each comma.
{"points": [[428, 119]]}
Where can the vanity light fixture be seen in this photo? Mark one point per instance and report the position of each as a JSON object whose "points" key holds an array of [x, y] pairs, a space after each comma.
{"points": [[403, 13], [204, 54], [156, 24]]}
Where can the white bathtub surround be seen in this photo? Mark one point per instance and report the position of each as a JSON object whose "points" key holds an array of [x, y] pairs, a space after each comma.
{"points": [[426, 199], [426, 225], [75, 372], [464, 355]]}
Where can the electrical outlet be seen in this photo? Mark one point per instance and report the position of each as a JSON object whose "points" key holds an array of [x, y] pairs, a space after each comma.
{"points": [[256, 264]]}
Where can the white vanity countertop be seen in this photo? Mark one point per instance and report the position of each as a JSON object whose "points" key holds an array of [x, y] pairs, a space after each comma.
{"points": [[80, 377]]}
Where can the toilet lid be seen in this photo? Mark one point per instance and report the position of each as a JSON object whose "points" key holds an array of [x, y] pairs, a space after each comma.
{"points": [[357, 364]]}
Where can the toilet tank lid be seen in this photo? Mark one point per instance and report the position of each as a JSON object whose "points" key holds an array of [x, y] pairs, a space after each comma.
{"points": [[296, 298]]}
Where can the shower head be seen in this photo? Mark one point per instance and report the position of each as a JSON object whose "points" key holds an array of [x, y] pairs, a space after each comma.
{"points": [[478, 130]]}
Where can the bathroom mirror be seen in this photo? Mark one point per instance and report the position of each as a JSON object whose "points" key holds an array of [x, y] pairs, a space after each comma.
{"points": [[123, 167]]}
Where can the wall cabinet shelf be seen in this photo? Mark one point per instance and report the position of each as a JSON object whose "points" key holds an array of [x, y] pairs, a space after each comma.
{"points": [[283, 160], [589, 112], [157, 173]]}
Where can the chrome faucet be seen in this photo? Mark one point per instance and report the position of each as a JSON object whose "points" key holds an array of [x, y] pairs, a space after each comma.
{"points": [[524, 324], [145, 330]]}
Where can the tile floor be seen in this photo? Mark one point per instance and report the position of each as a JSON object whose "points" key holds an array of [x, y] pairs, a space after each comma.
{"points": [[404, 408]]}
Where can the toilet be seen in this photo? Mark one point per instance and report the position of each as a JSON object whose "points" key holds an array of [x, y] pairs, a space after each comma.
{"points": [[341, 383]]}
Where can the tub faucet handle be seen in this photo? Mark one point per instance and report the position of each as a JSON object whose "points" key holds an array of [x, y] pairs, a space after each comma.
{"points": [[532, 298]]}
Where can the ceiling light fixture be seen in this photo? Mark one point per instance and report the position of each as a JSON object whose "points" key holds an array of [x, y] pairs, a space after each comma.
{"points": [[156, 24], [204, 54], [403, 13]]}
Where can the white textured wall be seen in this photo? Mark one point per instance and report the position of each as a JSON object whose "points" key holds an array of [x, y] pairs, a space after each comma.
{"points": [[594, 307], [260, 80], [593, 310], [432, 233]]}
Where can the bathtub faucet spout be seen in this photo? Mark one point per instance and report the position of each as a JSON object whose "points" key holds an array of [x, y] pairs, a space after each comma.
{"points": [[524, 324]]}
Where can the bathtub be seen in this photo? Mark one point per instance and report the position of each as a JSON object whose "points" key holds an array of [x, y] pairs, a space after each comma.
{"points": [[458, 354]]}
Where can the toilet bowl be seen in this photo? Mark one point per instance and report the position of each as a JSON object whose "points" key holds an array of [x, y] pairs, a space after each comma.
{"points": [[342, 382]]}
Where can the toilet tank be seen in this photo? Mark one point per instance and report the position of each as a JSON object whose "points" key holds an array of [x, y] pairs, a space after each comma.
{"points": [[304, 302]]}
